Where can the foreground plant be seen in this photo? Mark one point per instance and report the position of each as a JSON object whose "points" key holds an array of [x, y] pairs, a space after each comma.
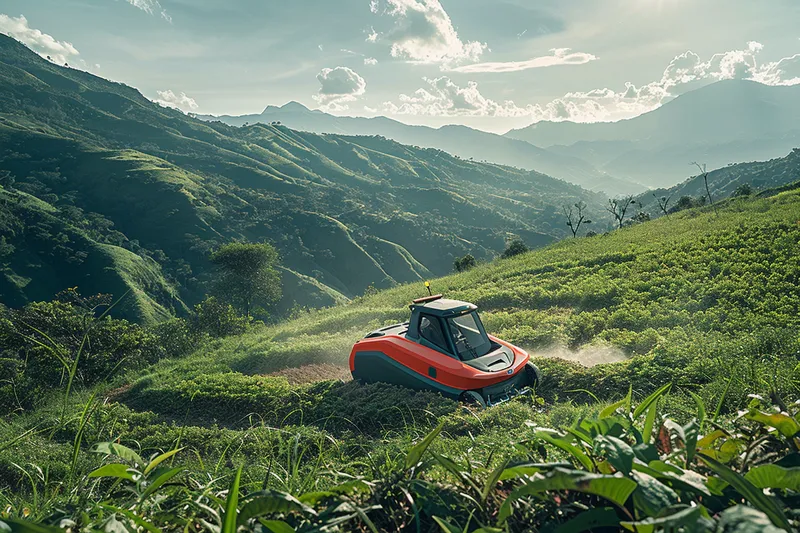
{"points": [[626, 469]]}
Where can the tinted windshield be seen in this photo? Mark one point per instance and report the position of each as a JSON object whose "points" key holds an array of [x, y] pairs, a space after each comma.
{"points": [[469, 337]]}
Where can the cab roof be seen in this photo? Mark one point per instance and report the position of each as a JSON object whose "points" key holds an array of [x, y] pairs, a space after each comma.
{"points": [[444, 308]]}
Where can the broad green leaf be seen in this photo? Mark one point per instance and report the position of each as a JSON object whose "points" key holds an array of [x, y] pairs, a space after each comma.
{"points": [[752, 493], [611, 425], [616, 451], [649, 422], [24, 526], [138, 520], [711, 438], [690, 431], [686, 481], [229, 519], [726, 452], [741, 519], [161, 476], [351, 487], [118, 450], [686, 517], [785, 424], [614, 489], [115, 470], [774, 477], [611, 409], [599, 517], [701, 410], [269, 502], [573, 450], [447, 527], [650, 400], [161, 458], [277, 526], [415, 454], [491, 481], [651, 496], [456, 470], [529, 469]]}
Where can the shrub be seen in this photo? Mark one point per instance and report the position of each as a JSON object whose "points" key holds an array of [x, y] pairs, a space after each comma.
{"points": [[462, 264], [513, 248]]}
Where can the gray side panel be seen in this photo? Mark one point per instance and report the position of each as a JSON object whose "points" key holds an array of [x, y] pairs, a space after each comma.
{"points": [[375, 367]]}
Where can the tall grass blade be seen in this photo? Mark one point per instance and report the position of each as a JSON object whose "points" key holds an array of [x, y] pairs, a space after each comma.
{"points": [[229, 519]]}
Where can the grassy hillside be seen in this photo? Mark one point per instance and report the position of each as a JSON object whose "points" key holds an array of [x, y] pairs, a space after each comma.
{"points": [[760, 177], [706, 302], [345, 212]]}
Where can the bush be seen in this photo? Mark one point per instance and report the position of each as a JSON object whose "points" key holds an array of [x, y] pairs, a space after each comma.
{"points": [[513, 248], [217, 318], [462, 264]]}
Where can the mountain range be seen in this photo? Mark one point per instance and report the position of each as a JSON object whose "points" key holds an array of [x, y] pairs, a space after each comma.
{"points": [[730, 121], [102, 189], [455, 139]]}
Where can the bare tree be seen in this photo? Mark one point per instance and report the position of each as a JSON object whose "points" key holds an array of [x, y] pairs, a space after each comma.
{"points": [[618, 207], [663, 203], [704, 173], [576, 217]]}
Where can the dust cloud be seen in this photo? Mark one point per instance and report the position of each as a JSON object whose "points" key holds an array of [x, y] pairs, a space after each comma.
{"points": [[586, 355]]}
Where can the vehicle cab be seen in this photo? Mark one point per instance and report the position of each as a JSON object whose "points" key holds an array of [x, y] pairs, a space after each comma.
{"points": [[454, 328]]}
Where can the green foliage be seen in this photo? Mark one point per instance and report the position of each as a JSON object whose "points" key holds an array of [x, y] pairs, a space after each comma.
{"points": [[247, 275], [462, 264], [217, 319], [514, 247]]}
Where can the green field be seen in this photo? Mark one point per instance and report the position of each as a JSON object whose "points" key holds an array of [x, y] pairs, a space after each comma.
{"points": [[706, 302]]}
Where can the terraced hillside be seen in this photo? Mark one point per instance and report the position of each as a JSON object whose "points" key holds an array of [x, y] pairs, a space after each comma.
{"points": [[706, 302], [345, 212]]}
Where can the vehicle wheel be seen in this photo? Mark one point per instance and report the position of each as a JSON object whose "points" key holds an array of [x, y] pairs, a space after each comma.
{"points": [[533, 374], [471, 397]]}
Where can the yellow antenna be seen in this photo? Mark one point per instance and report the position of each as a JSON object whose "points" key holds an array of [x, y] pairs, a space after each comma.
{"points": [[428, 286]]}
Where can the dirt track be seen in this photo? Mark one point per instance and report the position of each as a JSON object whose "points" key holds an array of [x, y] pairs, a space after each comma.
{"points": [[313, 373]]}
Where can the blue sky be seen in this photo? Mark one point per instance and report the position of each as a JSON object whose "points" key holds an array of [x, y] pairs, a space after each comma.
{"points": [[491, 64]]}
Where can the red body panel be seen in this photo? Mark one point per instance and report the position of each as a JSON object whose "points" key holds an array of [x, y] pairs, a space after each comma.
{"points": [[449, 371]]}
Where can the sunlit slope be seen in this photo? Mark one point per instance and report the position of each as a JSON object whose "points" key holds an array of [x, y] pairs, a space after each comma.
{"points": [[664, 292]]}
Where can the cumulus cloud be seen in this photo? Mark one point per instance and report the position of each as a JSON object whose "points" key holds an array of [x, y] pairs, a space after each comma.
{"points": [[442, 97], [177, 101], [337, 87], [559, 56], [686, 72], [370, 61], [43, 44], [151, 7], [423, 32]]}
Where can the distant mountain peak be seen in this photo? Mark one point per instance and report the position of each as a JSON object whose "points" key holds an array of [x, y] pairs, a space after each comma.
{"points": [[294, 106]]}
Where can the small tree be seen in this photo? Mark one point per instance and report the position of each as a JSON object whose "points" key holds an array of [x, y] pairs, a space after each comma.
{"points": [[576, 217], [618, 207], [704, 173], [743, 190], [514, 247], [247, 274], [663, 203], [462, 264]]}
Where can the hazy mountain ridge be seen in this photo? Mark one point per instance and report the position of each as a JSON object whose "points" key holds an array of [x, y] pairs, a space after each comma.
{"points": [[345, 212], [727, 122], [458, 140]]}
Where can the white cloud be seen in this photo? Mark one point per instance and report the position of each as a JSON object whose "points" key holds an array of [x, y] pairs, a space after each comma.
{"points": [[686, 72], [442, 97], [424, 33], [177, 101], [337, 87], [43, 44], [370, 109], [371, 61], [560, 56], [151, 7]]}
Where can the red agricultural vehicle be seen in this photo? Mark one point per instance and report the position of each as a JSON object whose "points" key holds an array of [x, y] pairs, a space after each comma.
{"points": [[445, 348]]}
